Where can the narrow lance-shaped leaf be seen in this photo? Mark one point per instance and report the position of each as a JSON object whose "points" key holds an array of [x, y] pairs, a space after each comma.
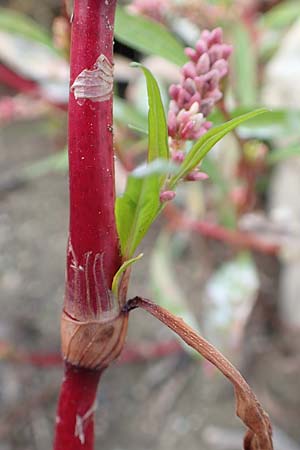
{"points": [[273, 124], [136, 210], [148, 37], [157, 123], [206, 142]]}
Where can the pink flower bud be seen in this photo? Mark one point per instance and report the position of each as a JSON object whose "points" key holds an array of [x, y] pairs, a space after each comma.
{"points": [[201, 47], [172, 123], [196, 176], [178, 156], [189, 85], [189, 70], [173, 91], [203, 63], [191, 54], [216, 36], [166, 196], [215, 52], [227, 50], [221, 66]]}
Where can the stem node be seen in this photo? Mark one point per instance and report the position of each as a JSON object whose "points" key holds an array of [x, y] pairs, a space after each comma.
{"points": [[92, 344]]}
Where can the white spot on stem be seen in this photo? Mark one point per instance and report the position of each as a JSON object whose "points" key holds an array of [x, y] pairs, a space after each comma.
{"points": [[95, 84], [80, 421]]}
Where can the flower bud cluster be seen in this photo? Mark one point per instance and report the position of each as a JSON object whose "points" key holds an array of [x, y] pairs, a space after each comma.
{"points": [[199, 90]]}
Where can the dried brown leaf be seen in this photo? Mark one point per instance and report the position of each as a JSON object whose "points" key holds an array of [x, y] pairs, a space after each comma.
{"points": [[248, 408]]}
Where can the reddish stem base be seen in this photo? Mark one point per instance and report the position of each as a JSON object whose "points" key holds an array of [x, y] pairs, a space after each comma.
{"points": [[75, 414]]}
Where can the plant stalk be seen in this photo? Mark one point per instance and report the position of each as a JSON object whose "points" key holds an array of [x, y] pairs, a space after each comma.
{"points": [[93, 326]]}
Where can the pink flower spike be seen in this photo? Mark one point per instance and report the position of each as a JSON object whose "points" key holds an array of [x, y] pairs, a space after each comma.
{"points": [[166, 196], [193, 99], [196, 176]]}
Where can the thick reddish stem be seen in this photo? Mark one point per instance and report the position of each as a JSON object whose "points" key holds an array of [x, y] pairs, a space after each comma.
{"points": [[93, 329], [93, 242], [75, 415]]}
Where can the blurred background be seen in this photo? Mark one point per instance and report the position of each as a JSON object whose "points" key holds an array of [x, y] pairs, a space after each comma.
{"points": [[225, 255]]}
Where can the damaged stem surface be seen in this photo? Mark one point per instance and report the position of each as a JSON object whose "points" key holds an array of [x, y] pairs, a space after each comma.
{"points": [[248, 408], [93, 327]]}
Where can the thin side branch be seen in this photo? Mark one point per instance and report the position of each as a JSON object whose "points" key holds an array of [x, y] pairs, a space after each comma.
{"points": [[179, 221], [248, 408]]}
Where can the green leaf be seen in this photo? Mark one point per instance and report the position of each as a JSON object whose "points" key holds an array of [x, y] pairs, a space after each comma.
{"points": [[157, 123], [245, 66], [165, 283], [53, 163], [117, 277], [17, 23], [283, 153], [129, 115], [210, 166], [282, 15], [148, 37], [138, 130], [136, 210], [157, 167], [272, 125], [206, 142]]}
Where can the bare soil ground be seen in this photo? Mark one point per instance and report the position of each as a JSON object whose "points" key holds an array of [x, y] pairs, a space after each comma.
{"points": [[162, 404]]}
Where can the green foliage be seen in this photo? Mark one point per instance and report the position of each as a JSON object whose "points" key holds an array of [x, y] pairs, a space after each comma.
{"points": [[206, 142], [140, 204], [245, 66], [273, 124], [282, 15], [53, 163], [136, 210], [165, 283], [148, 37], [157, 123], [20, 24], [283, 153], [128, 114]]}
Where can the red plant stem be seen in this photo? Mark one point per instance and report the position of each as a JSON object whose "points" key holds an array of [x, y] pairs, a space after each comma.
{"points": [[25, 86], [92, 195], [244, 240], [78, 393], [16, 81], [219, 233], [93, 251], [132, 353]]}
